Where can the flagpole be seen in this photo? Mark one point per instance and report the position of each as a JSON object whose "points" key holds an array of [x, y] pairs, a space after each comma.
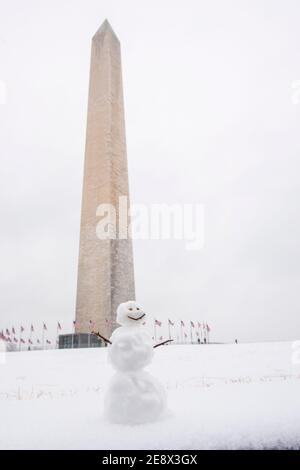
{"points": [[191, 333], [181, 332], [73, 333], [43, 337], [204, 333], [169, 329], [154, 330]]}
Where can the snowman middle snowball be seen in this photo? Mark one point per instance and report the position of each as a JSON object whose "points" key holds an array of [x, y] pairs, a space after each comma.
{"points": [[134, 396]]}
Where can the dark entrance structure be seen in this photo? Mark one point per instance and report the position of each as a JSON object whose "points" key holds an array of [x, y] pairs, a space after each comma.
{"points": [[79, 340]]}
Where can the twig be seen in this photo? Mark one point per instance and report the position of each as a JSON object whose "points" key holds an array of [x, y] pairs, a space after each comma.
{"points": [[164, 342], [101, 337]]}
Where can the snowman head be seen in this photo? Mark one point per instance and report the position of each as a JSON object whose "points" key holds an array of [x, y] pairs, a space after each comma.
{"points": [[130, 313]]}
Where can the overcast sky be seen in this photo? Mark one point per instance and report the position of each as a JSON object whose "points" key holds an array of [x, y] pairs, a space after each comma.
{"points": [[211, 117]]}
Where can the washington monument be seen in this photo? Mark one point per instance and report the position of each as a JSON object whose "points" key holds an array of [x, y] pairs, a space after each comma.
{"points": [[105, 269]]}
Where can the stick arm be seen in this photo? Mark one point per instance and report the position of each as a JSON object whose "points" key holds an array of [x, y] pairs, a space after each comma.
{"points": [[101, 337], [164, 342]]}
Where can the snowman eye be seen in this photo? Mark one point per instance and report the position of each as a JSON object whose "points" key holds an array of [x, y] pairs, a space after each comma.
{"points": [[137, 308], [130, 309]]}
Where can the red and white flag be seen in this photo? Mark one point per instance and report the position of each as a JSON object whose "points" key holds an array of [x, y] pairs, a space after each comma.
{"points": [[157, 322]]}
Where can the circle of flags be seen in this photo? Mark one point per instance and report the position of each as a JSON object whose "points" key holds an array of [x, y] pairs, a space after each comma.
{"points": [[179, 331]]}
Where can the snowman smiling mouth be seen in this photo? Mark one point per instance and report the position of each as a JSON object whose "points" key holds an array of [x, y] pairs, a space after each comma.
{"points": [[136, 319]]}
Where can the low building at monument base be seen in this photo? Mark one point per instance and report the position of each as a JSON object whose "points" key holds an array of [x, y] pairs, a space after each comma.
{"points": [[79, 340]]}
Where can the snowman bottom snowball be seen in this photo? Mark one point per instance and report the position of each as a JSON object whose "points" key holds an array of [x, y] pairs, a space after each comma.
{"points": [[134, 398]]}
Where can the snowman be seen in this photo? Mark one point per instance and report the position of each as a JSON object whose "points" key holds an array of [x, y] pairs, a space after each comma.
{"points": [[133, 396]]}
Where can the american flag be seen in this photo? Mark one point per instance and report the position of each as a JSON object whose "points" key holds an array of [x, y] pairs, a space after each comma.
{"points": [[32, 329], [22, 329], [22, 341], [157, 322], [181, 323], [44, 326], [7, 332], [171, 323], [13, 331], [48, 341], [192, 324], [58, 326]]}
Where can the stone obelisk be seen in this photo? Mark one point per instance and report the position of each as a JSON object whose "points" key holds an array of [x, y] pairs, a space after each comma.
{"points": [[105, 270]]}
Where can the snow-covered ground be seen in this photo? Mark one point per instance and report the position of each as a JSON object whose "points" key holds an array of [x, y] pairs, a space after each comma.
{"points": [[220, 396]]}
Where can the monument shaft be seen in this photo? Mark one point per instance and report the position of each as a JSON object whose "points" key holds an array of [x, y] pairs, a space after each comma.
{"points": [[105, 269]]}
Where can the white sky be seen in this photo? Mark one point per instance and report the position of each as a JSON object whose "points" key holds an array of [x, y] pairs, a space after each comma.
{"points": [[210, 119]]}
